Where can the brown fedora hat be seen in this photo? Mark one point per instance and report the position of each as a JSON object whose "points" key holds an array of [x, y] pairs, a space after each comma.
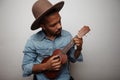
{"points": [[42, 7]]}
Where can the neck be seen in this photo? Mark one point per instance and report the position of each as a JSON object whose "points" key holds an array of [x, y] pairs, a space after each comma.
{"points": [[49, 36]]}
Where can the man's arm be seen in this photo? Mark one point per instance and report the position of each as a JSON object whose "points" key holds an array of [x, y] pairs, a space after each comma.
{"points": [[53, 63], [78, 42]]}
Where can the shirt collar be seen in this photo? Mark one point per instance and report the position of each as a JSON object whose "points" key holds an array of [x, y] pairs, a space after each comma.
{"points": [[41, 35]]}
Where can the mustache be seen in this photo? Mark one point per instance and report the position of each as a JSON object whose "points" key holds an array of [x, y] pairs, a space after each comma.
{"points": [[59, 29]]}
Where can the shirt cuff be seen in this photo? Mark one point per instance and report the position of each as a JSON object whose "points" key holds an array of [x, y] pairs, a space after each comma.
{"points": [[27, 69], [72, 57], [80, 58]]}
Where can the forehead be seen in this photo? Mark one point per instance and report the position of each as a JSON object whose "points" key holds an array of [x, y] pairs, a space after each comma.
{"points": [[52, 17]]}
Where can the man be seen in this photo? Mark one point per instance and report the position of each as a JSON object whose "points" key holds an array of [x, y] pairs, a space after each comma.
{"points": [[46, 41]]}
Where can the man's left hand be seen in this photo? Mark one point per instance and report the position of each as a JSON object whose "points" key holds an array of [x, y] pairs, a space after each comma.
{"points": [[78, 42]]}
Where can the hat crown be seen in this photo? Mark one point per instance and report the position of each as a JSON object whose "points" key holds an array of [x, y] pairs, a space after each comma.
{"points": [[40, 7]]}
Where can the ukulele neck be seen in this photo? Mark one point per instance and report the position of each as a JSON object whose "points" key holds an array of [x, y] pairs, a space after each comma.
{"points": [[68, 46], [80, 34]]}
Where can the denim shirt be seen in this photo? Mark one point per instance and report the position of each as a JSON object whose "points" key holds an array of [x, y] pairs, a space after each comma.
{"points": [[38, 47]]}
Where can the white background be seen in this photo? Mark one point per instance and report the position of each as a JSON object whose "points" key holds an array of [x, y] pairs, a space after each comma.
{"points": [[101, 48]]}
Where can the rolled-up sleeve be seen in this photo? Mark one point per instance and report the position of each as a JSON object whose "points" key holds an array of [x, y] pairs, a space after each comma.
{"points": [[71, 55], [28, 59]]}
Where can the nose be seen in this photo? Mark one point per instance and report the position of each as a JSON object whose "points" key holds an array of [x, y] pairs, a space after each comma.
{"points": [[58, 26]]}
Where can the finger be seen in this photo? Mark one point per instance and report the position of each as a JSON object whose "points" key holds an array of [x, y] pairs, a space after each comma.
{"points": [[54, 57], [77, 39], [55, 61], [56, 65], [78, 44], [58, 57]]}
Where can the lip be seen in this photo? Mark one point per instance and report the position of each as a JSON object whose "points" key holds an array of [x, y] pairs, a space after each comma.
{"points": [[58, 32]]}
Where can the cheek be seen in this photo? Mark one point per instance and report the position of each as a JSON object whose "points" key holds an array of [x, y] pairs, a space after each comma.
{"points": [[52, 30]]}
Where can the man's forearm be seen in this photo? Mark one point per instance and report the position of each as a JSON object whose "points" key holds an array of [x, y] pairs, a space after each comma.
{"points": [[77, 52], [37, 68]]}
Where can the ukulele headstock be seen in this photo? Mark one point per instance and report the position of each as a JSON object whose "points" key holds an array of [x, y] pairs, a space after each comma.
{"points": [[83, 31]]}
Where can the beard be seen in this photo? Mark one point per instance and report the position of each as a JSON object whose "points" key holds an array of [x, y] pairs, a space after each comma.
{"points": [[58, 33]]}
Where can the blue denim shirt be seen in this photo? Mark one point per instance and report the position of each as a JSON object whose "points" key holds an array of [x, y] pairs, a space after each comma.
{"points": [[38, 47]]}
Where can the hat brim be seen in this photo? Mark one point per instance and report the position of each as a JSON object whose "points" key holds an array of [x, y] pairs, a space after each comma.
{"points": [[36, 24]]}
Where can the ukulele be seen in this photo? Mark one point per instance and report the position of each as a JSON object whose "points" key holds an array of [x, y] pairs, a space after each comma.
{"points": [[52, 74]]}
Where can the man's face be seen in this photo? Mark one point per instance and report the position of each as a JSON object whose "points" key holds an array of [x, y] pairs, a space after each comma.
{"points": [[52, 24]]}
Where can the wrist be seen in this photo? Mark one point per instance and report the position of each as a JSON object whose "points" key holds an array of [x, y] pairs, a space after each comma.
{"points": [[79, 49], [45, 67], [77, 52]]}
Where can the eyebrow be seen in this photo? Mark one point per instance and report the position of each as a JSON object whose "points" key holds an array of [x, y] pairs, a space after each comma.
{"points": [[56, 22]]}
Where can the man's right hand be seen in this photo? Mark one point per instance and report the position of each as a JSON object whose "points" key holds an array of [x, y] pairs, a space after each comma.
{"points": [[53, 63]]}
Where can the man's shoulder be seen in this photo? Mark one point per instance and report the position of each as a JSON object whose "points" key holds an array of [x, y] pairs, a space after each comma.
{"points": [[36, 35]]}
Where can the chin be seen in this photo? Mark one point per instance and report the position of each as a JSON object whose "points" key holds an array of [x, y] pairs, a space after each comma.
{"points": [[58, 33]]}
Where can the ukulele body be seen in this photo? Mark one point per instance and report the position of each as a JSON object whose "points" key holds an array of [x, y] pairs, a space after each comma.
{"points": [[52, 74]]}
